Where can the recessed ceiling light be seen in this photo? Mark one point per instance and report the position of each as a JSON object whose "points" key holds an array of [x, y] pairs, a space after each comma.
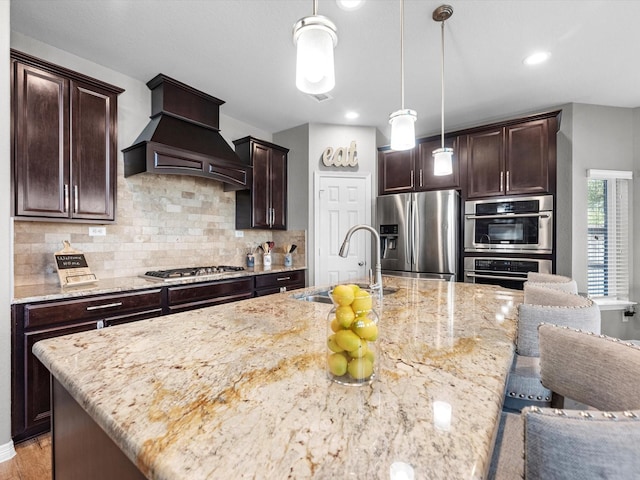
{"points": [[536, 58], [351, 115], [350, 4]]}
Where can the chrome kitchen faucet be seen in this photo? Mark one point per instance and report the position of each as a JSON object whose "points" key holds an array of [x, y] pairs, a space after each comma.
{"points": [[344, 250]]}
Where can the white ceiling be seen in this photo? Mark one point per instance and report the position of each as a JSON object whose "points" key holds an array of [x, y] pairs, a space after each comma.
{"points": [[241, 51]]}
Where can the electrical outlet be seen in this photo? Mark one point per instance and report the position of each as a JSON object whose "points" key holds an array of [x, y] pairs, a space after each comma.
{"points": [[97, 231], [239, 234]]}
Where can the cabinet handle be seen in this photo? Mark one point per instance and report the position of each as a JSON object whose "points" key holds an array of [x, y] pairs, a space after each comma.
{"points": [[75, 199], [282, 279], [106, 305], [66, 197], [273, 216], [412, 177], [421, 177], [501, 180], [508, 188]]}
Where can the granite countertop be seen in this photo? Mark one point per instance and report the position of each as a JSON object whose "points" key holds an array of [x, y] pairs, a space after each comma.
{"points": [[38, 293], [240, 389]]}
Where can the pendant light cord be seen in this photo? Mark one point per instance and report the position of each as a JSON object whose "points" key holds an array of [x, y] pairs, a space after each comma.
{"points": [[402, 54], [442, 88], [315, 7]]}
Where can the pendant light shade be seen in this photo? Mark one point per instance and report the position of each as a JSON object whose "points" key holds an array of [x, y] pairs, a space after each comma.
{"points": [[315, 38], [443, 161], [442, 157], [403, 131]]}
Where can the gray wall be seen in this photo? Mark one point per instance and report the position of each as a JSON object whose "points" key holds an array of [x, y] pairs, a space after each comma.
{"points": [[297, 141], [604, 138], [5, 233], [307, 143], [322, 136], [564, 202]]}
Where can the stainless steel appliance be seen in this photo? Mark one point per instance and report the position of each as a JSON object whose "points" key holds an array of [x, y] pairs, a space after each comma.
{"points": [[188, 272], [503, 271], [509, 225], [419, 234]]}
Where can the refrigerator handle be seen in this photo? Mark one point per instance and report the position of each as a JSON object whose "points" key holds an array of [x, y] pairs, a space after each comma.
{"points": [[408, 247], [414, 235]]}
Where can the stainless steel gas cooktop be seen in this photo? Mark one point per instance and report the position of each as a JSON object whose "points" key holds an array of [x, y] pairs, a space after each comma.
{"points": [[174, 273]]}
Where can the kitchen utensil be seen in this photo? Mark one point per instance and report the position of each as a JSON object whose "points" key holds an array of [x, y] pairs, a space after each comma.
{"points": [[293, 248]]}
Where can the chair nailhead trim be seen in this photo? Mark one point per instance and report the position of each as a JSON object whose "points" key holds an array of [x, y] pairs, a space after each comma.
{"points": [[611, 339]]}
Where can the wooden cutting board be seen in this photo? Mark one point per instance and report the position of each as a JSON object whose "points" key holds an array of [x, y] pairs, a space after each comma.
{"points": [[72, 267]]}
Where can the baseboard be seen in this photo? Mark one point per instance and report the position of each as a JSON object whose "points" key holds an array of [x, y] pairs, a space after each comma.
{"points": [[7, 452]]}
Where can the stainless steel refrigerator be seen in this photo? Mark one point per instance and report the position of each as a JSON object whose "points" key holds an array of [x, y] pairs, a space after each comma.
{"points": [[419, 234]]}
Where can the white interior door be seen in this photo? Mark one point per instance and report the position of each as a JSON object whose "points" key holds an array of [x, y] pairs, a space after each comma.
{"points": [[342, 200]]}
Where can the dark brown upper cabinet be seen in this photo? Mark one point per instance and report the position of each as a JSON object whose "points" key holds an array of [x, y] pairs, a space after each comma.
{"points": [[513, 159], [412, 170], [64, 143], [425, 178], [264, 206], [396, 171]]}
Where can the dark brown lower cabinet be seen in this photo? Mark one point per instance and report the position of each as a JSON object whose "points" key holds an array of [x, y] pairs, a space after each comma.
{"points": [[81, 448], [191, 296], [271, 283], [32, 322]]}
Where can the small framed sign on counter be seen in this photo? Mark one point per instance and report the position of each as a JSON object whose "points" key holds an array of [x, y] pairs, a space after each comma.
{"points": [[72, 267]]}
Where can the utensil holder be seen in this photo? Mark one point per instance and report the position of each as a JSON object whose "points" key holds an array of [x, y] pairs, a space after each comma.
{"points": [[266, 260], [288, 260], [251, 260]]}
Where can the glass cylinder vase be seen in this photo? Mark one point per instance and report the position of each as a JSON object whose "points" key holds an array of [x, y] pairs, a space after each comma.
{"points": [[352, 332]]}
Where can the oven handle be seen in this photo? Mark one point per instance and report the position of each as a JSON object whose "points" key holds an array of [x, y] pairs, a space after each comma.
{"points": [[508, 215], [495, 277]]}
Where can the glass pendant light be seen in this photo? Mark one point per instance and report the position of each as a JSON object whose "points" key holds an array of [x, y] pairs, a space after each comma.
{"points": [[442, 157], [315, 38], [403, 130]]}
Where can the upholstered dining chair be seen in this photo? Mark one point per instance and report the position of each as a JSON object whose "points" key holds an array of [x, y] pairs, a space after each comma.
{"points": [[602, 442], [542, 304], [557, 282]]}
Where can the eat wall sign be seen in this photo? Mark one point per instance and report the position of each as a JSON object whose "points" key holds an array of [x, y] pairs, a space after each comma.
{"points": [[341, 156]]}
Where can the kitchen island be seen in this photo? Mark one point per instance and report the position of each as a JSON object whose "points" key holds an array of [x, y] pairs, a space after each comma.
{"points": [[240, 390]]}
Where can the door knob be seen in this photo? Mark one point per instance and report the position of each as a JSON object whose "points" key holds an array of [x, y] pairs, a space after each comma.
{"points": [[360, 264]]}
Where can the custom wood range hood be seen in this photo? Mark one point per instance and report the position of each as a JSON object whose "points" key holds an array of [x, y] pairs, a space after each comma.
{"points": [[183, 138]]}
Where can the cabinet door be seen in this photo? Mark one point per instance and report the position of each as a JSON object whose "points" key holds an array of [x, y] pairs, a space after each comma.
{"points": [[260, 192], [527, 158], [188, 297], [37, 407], [93, 152], [278, 185], [426, 179], [396, 171], [42, 142], [485, 163]]}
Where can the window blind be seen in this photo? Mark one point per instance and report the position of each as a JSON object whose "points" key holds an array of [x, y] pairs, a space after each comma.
{"points": [[608, 235]]}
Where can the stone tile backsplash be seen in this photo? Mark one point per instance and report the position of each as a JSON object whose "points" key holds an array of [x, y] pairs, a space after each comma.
{"points": [[161, 222]]}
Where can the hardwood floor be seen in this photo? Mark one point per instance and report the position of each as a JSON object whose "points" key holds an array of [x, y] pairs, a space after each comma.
{"points": [[32, 461]]}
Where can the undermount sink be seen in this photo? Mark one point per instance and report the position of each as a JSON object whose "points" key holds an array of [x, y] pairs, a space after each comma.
{"points": [[385, 290], [323, 295], [318, 298]]}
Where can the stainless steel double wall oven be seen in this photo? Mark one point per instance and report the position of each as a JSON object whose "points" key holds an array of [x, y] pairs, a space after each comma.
{"points": [[506, 237]]}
